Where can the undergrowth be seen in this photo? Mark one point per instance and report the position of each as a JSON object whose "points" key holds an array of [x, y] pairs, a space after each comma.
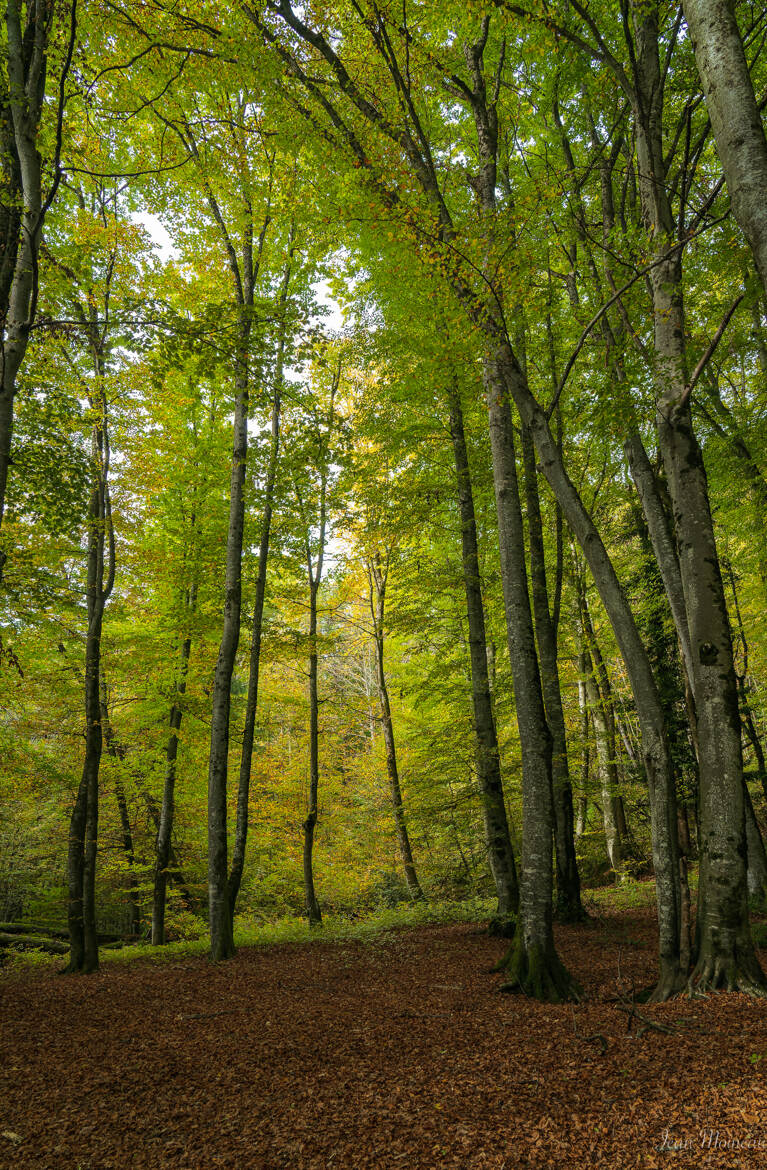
{"points": [[334, 929]]}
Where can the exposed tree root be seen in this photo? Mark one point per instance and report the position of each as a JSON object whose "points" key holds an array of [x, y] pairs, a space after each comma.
{"points": [[83, 969], [670, 984], [727, 973], [538, 973]]}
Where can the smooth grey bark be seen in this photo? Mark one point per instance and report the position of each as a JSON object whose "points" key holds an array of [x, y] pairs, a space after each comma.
{"points": [[599, 693], [532, 963], [251, 706], [495, 820], [606, 768], [735, 117], [378, 576], [725, 955], [583, 709], [163, 843], [117, 753], [569, 907]]}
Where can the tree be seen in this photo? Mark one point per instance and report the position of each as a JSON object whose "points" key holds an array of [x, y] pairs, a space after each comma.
{"points": [[313, 464], [377, 569], [28, 68], [735, 116], [91, 305]]}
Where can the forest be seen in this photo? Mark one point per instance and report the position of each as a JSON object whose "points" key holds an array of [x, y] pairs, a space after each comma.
{"points": [[383, 569]]}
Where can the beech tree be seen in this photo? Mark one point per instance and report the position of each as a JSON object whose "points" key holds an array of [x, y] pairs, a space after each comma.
{"points": [[32, 69]]}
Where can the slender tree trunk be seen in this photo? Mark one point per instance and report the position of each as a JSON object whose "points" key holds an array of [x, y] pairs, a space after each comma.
{"points": [[497, 836], [175, 873], [580, 821], [117, 754], [601, 708], [220, 916], [313, 912], [753, 737], [378, 574], [685, 949], [661, 539], [720, 417], [532, 964], [314, 578], [163, 848], [735, 116], [244, 272], [756, 869], [83, 832], [569, 906], [746, 714], [606, 768], [246, 756]]}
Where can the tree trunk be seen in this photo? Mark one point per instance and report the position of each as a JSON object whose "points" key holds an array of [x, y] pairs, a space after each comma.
{"points": [[377, 578], [22, 101], [600, 703], [115, 752], [83, 832], [497, 836], [607, 771], [580, 820], [569, 908], [725, 954], [735, 117], [685, 949], [661, 539], [163, 848], [756, 869], [219, 909], [313, 912], [532, 964], [246, 756]]}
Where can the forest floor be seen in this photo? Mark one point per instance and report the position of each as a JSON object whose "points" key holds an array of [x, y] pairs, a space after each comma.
{"points": [[396, 1052]]}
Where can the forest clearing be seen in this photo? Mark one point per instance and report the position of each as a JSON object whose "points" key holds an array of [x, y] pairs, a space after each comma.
{"points": [[396, 1051], [383, 582]]}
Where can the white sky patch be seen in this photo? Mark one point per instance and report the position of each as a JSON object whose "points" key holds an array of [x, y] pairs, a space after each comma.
{"points": [[335, 320], [166, 249]]}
